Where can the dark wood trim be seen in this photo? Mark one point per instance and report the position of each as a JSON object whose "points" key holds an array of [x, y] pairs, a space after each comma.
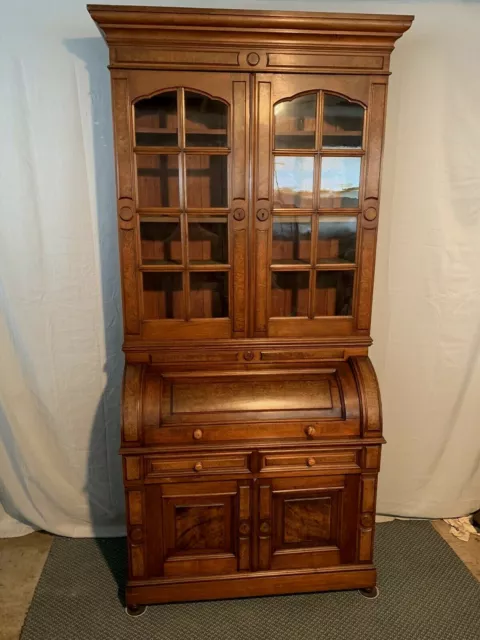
{"points": [[252, 584], [159, 37]]}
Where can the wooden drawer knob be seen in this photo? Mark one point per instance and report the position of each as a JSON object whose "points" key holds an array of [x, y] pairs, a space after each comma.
{"points": [[311, 431], [198, 466], [265, 527], [198, 434], [311, 462]]}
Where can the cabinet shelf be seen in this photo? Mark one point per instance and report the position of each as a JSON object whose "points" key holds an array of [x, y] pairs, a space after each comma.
{"points": [[190, 132], [192, 266]]}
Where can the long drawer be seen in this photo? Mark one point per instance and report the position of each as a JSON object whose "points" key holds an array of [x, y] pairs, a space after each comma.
{"points": [[213, 434], [309, 460], [198, 464]]}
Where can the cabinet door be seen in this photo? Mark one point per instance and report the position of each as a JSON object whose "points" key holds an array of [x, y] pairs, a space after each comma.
{"points": [[188, 253], [198, 528], [317, 138], [307, 522]]}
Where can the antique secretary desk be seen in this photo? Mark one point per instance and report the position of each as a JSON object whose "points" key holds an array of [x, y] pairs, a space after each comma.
{"points": [[248, 148]]}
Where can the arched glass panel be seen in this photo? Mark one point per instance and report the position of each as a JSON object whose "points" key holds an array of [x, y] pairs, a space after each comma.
{"points": [[206, 121], [156, 121], [295, 122], [342, 123]]}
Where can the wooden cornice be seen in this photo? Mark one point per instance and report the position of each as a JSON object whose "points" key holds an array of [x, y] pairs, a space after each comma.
{"points": [[130, 31]]}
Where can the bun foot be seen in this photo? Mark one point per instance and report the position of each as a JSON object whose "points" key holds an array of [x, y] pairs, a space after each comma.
{"points": [[135, 610], [370, 592]]}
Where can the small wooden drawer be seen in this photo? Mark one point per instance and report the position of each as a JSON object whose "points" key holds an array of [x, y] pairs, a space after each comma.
{"points": [[158, 466], [310, 459]]}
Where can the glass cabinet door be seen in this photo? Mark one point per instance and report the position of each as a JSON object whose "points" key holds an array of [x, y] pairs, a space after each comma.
{"points": [[311, 148], [191, 206]]}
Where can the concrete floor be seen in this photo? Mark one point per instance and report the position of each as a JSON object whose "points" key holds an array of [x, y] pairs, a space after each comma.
{"points": [[22, 560], [21, 563]]}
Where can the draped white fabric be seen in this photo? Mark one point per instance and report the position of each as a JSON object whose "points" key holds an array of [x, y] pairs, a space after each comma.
{"points": [[60, 323]]}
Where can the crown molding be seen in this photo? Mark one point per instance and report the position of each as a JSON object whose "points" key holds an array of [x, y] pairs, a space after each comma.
{"points": [[129, 31]]}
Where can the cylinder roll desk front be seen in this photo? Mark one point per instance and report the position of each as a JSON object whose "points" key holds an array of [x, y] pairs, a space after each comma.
{"points": [[248, 147]]}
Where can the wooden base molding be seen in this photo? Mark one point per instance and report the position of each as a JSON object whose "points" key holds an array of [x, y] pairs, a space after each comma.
{"points": [[251, 585]]}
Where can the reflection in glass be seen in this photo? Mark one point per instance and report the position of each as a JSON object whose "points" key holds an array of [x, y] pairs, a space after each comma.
{"points": [[289, 296], [209, 295], [163, 296], [295, 123], [291, 238], [342, 123], [337, 237], [334, 293], [156, 121], [208, 240], [207, 184], [161, 241], [293, 182], [157, 182], [339, 182], [205, 121]]}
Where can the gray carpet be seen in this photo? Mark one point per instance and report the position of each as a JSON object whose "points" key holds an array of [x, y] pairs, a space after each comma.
{"points": [[426, 593]]}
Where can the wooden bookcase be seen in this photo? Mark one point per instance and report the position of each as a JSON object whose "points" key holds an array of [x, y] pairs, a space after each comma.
{"points": [[248, 149]]}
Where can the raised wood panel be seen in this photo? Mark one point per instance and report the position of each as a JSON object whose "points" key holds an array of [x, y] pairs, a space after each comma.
{"points": [[135, 510], [264, 525], [132, 393], [125, 203], [254, 395], [200, 525], [367, 518], [244, 526], [306, 354], [261, 281], [294, 60], [265, 395], [375, 129], [240, 139], [132, 468], [174, 57], [372, 457], [240, 250], [307, 520], [200, 329], [311, 526], [137, 560]]}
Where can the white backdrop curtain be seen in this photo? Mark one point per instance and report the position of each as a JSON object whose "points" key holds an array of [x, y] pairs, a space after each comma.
{"points": [[60, 322]]}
